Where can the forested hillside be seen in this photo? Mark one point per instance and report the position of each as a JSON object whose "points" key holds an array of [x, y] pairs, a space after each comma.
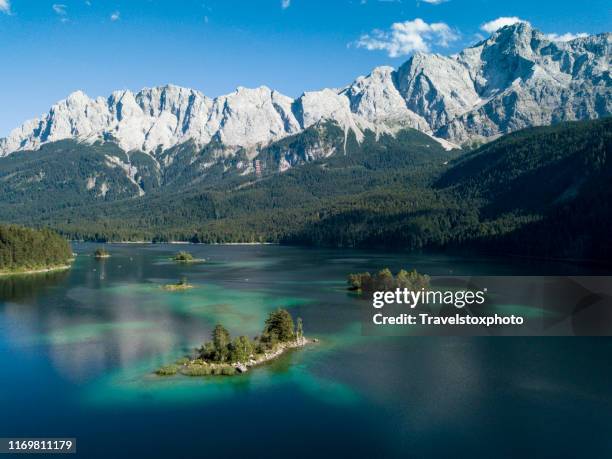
{"points": [[23, 249], [67, 174], [247, 208], [541, 191], [534, 169], [557, 180]]}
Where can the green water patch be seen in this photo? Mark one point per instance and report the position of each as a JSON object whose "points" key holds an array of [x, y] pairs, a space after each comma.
{"points": [[82, 333], [247, 264], [241, 311], [138, 385]]}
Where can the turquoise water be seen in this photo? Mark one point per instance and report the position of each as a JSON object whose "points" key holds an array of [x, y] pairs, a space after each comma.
{"points": [[78, 349]]}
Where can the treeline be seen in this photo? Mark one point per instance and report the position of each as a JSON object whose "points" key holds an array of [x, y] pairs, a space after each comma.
{"points": [[24, 249]]}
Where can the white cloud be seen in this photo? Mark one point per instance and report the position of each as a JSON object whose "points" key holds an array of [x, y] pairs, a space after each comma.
{"points": [[5, 6], [285, 4], [498, 23], [409, 36], [115, 16], [566, 36], [59, 9], [435, 2]]}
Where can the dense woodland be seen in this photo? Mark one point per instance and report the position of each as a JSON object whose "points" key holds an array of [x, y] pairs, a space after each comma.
{"points": [[541, 191], [23, 249]]}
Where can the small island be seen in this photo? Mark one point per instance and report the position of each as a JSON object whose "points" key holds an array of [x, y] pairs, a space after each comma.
{"points": [[385, 281], [101, 253], [185, 257], [180, 285], [30, 251], [226, 356]]}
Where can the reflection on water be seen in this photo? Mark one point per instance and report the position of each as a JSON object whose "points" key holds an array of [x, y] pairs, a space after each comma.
{"points": [[94, 334], [26, 287]]}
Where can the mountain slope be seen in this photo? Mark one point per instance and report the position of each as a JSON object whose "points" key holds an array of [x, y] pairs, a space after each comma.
{"points": [[541, 191], [535, 168], [181, 208], [63, 173]]}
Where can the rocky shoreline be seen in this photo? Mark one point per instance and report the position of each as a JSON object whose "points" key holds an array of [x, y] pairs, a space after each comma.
{"points": [[199, 367], [243, 367]]}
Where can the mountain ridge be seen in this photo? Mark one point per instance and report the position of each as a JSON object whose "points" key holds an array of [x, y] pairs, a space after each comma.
{"points": [[516, 78]]}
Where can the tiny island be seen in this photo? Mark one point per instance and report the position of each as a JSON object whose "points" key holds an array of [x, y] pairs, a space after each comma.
{"points": [[385, 281], [32, 251], [101, 253], [226, 356], [186, 257], [178, 286]]}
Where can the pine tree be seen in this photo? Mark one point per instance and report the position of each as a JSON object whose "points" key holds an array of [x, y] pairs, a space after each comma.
{"points": [[221, 339], [280, 324]]}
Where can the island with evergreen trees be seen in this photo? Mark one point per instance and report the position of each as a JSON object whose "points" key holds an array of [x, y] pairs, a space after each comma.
{"points": [[27, 251], [186, 257], [182, 284], [385, 281], [101, 253], [225, 356]]}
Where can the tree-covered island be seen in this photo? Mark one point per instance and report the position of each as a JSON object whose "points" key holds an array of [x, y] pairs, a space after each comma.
{"points": [[385, 281], [25, 250], [182, 284], [186, 257], [101, 253], [224, 355]]}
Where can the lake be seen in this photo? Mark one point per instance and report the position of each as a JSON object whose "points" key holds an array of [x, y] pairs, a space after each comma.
{"points": [[77, 352]]}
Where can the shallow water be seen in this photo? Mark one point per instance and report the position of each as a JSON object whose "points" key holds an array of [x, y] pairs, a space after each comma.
{"points": [[78, 349]]}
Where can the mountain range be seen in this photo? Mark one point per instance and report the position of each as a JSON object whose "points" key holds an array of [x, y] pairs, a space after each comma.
{"points": [[442, 151], [517, 78]]}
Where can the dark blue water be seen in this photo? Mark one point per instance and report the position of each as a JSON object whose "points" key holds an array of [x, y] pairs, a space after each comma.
{"points": [[77, 351]]}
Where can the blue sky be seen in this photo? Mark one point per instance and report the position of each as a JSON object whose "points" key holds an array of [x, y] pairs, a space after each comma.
{"points": [[51, 48]]}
